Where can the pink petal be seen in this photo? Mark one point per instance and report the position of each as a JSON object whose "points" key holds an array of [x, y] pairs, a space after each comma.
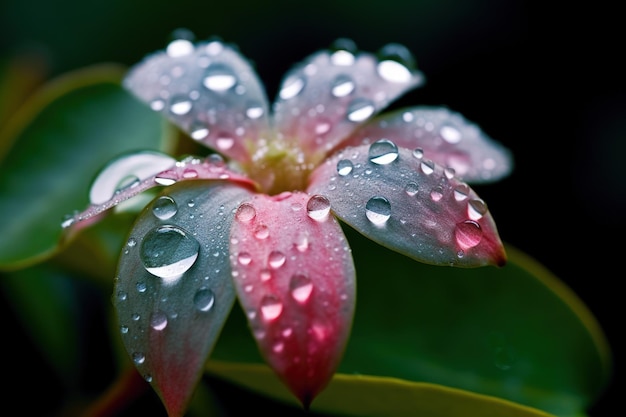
{"points": [[409, 204], [295, 281], [174, 291], [323, 98], [209, 90], [146, 170], [445, 137]]}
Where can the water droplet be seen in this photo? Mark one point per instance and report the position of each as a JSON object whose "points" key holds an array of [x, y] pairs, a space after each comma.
{"points": [[219, 77], [342, 86], [168, 252], [383, 152], [468, 234], [254, 111], [278, 347], [292, 87], [138, 358], [342, 52], [204, 299], [378, 210], [449, 172], [436, 193], [124, 329], [395, 63], [276, 259], [265, 275], [461, 192], [476, 209], [180, 105], [245, 213], [158, 320], [344, 167], [418, 153], [318, 207], [360, 109], [302, 242], [244, 258], [224, 143], [199, 131], [450, 134], [411, 188], [271, 307], [301, 288], [132, 242], [157, 104], [262, 232], [164, 208], [179, 47], [122, 295], [427, 166], [141, 287]]}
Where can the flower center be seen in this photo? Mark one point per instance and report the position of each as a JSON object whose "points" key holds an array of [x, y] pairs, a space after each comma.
{"points": [[279, 166]]}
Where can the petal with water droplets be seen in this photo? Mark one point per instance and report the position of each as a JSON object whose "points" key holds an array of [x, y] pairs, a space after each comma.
{"points": [[294, 277], [174, 291], [444, 137], [410, 205], [209, 90], [323, 98]]}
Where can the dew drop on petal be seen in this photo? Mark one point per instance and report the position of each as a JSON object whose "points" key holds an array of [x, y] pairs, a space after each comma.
{"points": [[244, 258], [158, 320], [418, 153], [204, 299], [468, 234], [254, 111], [450, 134], [301, 288], [428, 167], [265, 275], [291, 87], [436, 193], [179, 47], [141, 287], [219, 77], [393, 71], [164, 208], [342, 52], [271, 307], [461, 192], [138, 358], [276, 259], [344, 167], [262, 232], [180, 105], [199, 131], [318, 207], [168, 252], [245, 213], [360, 109], [411, 189], [342, 86], [383, 152], [476, 209], [378, 210], [224, 143]]}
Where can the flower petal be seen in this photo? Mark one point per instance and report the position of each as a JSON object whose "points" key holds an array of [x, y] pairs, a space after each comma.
{"points": [[445, 137], [323, 98], [409, 204], [174, 289], [208, 90], [294, 276], [136, 172]]}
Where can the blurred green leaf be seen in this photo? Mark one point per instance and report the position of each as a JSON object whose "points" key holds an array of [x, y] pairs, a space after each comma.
{"points": [[61, 138], [516, 332]]}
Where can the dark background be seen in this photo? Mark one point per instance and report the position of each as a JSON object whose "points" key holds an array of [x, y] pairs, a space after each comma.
{"points": [[546, 81]]}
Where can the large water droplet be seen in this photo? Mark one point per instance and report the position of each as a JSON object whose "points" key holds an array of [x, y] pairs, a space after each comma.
{"points": [[461, 192], [168, 252], [468, 234], [318, 207], [291, 87], [158, 320], [476, 209], [245, 213], [427, 166], [344, 167], [271, 307], [378, 210], [343, 51], [276, 259], [219, 77], [342, 86], [179, 47], [204, 299], [164, 207], [301, 288], [360, 109], [383, 152], [395, 63]]}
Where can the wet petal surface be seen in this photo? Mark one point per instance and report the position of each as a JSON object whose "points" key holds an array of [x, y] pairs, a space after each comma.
{"points": [[294, 275], [174, 291], [409, 204]]}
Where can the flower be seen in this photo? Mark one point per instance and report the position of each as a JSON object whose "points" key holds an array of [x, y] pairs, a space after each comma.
{"points": [[259, 220]]}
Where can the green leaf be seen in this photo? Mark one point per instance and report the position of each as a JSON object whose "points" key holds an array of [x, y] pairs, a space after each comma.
{"points": [[515, 333], [364, 395], [60, 139]]}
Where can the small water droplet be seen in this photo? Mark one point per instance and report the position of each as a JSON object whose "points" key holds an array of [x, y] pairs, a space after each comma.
{"points": [[342, 86], [199, 130], [158, 320], [436, 193], [124, 329], [245, 213], [450, 134], [244, 258], [271, 307], [157, 104], [461, 192], [276, 259], [265, 275], [141, 287], [122, 296], [476, 209], [393, 71], [262, 232], [378, 210], [383, 152], [292, 86], [164, 207], [302, 242], [418, 153], [180, 105], [468, 234], [219, 77], [204, 299], [301, 288], [344, 167], [132, 242], [360, 109], [318, 207], [342, 52], [278, 347], [224, 143], [254, 111], [411, 188], [168, 252], [138, 358], [427, 166]]}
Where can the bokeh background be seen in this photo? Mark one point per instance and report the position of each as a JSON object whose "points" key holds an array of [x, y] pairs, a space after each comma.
{"points": [[546, 81]]}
